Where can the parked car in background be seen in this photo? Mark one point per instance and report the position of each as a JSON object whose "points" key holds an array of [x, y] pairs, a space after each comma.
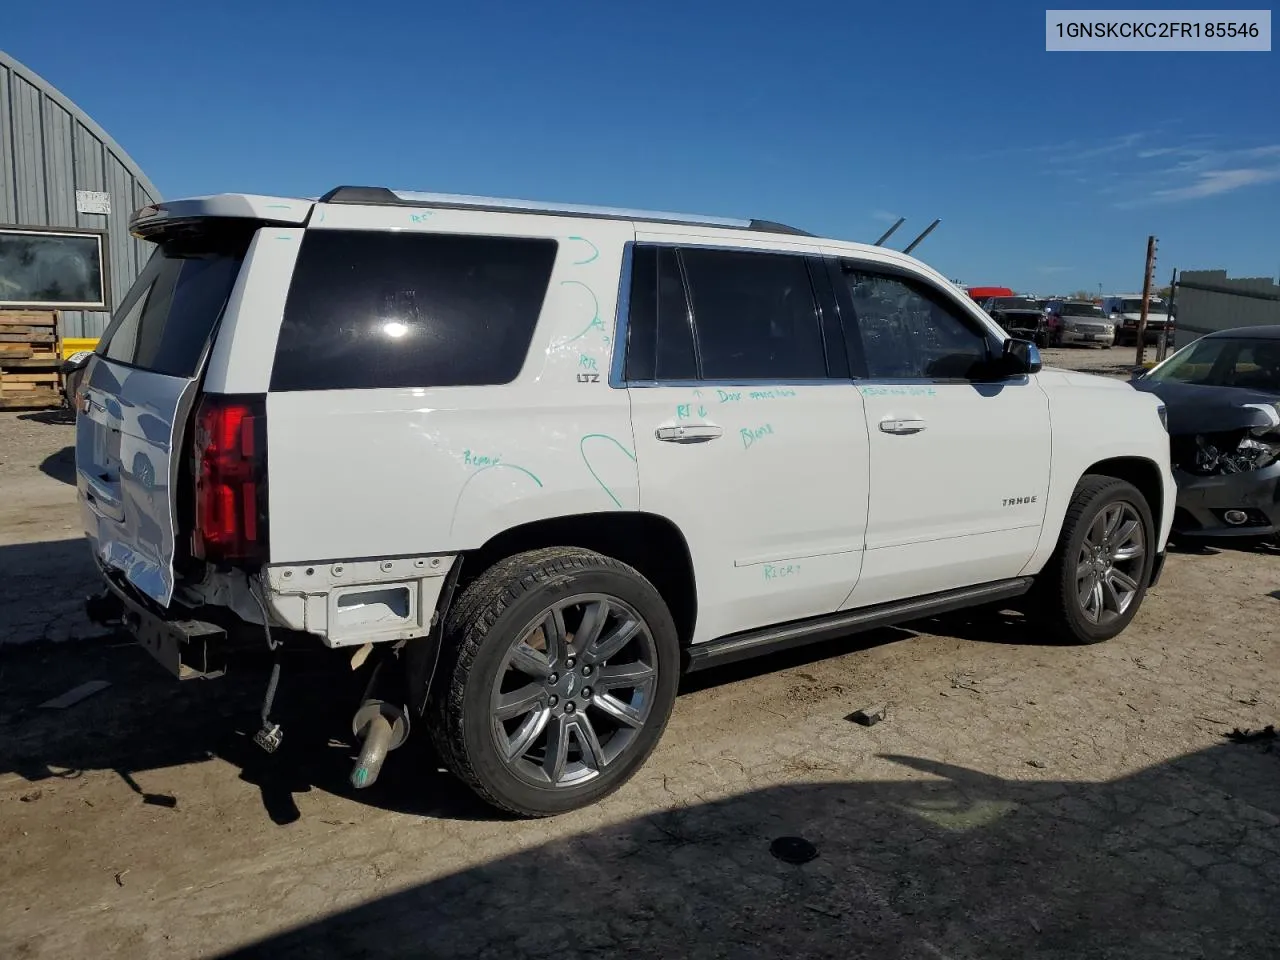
{"points": [[1022, 317], [1012, 300], [981, 294], [1078, 321], [1126, 310], [1222, 395]]}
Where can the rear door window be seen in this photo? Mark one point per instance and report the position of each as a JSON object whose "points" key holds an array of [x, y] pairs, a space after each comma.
{"points": [[167, 319], [373, 309], [754, 315]]}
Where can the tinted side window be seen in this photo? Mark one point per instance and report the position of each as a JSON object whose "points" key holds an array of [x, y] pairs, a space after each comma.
{"points": [[754, 315], [907, 330], [371, 309], [659, 339]]}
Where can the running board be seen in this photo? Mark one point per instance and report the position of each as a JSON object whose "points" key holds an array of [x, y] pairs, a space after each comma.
{"points": [[753, 643]]}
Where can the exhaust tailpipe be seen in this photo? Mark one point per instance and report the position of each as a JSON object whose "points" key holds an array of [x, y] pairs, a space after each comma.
{"points": [[380, 727]]}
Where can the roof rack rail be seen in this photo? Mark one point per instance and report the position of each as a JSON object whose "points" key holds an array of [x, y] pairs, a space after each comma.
{"points": [[383, 196]]}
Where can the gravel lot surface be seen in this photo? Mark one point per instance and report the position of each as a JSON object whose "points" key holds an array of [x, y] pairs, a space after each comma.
{"points": [[1020, 800]]}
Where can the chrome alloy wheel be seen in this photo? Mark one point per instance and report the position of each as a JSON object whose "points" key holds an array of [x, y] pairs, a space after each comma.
{"points": [[574, 690], [1110, 563]]}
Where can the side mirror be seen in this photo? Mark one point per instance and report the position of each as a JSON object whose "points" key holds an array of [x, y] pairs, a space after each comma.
{"points": [[1021, 356], [1137, 373]]}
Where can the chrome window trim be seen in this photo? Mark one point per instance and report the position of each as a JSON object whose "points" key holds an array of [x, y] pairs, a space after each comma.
{"points": [[617, 366]]}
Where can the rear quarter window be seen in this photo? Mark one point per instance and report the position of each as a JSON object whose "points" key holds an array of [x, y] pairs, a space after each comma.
{"points": [[370, 309]]}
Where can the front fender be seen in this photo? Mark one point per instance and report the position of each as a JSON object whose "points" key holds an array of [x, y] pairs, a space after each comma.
{"points": [[1093, 420]]}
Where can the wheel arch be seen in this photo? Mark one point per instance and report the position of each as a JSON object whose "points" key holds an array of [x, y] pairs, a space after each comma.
{"points": [[651, 543], [1143, 474]]}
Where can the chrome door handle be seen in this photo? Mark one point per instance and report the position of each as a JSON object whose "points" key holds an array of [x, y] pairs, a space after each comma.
{"points": [[889, 425], [691, 433]]}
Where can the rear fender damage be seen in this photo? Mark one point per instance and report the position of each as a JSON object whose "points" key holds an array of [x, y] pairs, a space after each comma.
{"points": [[345, 603]]}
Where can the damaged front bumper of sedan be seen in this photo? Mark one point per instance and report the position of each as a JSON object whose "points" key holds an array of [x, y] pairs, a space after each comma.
{"points": [[1228, 484]]}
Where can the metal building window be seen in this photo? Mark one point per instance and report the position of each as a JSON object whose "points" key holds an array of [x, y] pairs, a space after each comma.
{"points": [[52, 269]]}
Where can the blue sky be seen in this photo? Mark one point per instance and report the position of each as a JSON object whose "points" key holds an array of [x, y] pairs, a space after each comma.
{"points": [[1048, 170]]}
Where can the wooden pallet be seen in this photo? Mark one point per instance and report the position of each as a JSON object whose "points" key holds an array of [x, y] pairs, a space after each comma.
{"points": [[30, 363], [25, 321], [9, 377]]}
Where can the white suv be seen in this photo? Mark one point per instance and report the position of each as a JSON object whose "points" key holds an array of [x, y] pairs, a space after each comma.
{"points": [[531, 462]]}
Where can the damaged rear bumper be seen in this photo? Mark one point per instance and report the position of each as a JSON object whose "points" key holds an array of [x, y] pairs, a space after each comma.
{"points": [[188, 649], [1214, 506]]}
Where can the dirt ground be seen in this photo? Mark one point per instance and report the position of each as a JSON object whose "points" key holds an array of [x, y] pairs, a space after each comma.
{"points": [[1021, 799]]}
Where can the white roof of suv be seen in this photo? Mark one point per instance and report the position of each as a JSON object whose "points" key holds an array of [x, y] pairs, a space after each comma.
{"points": [[291, 210], [296, 211]]}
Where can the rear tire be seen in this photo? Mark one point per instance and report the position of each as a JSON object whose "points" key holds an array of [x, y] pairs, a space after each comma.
{"points": [[1097, 578], [558, 673]]}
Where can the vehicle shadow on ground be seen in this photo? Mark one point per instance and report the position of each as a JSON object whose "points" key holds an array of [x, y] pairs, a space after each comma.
{"points": [[1179, 860], [786, 659], [987, 626], [61, 465], [42, 588], [147, 720], [58, 415], [1207, 548]]}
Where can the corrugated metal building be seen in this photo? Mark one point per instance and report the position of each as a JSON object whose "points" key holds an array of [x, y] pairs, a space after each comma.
{"points": [[1208, 301], [66, 193]]}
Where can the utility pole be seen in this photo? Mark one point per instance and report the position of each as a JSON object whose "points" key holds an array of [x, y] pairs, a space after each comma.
{"points": [[1141, 354], [1163, 349]]}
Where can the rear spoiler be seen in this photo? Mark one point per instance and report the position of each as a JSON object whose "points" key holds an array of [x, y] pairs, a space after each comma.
{"points": [[160, 217]]}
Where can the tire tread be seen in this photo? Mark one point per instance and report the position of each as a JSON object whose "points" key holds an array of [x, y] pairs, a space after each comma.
{"points": [[1053, 589], [468, 624]]}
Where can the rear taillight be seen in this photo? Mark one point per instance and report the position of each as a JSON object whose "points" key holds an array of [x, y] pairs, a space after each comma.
{"points": [[231, 476]]}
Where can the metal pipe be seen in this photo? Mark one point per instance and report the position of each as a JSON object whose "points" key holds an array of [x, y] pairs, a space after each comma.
{"points": [[1162, 350], [888, 233], [380, 727], [373, 752], [927, 230]]}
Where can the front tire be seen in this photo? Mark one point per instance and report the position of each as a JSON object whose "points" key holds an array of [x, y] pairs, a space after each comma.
{"points": [[1097, 579], [559, 671]]}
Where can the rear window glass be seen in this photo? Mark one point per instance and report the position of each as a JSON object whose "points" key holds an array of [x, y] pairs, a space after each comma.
{"points": [[168, 317], [371, 309]]}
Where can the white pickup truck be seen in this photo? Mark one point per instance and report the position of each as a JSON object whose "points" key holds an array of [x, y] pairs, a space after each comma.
{"points": [[1126, 313]]}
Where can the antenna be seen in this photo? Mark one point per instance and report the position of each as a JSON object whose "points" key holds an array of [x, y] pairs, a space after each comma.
{"points": [[927, 230], [888, 233]]}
